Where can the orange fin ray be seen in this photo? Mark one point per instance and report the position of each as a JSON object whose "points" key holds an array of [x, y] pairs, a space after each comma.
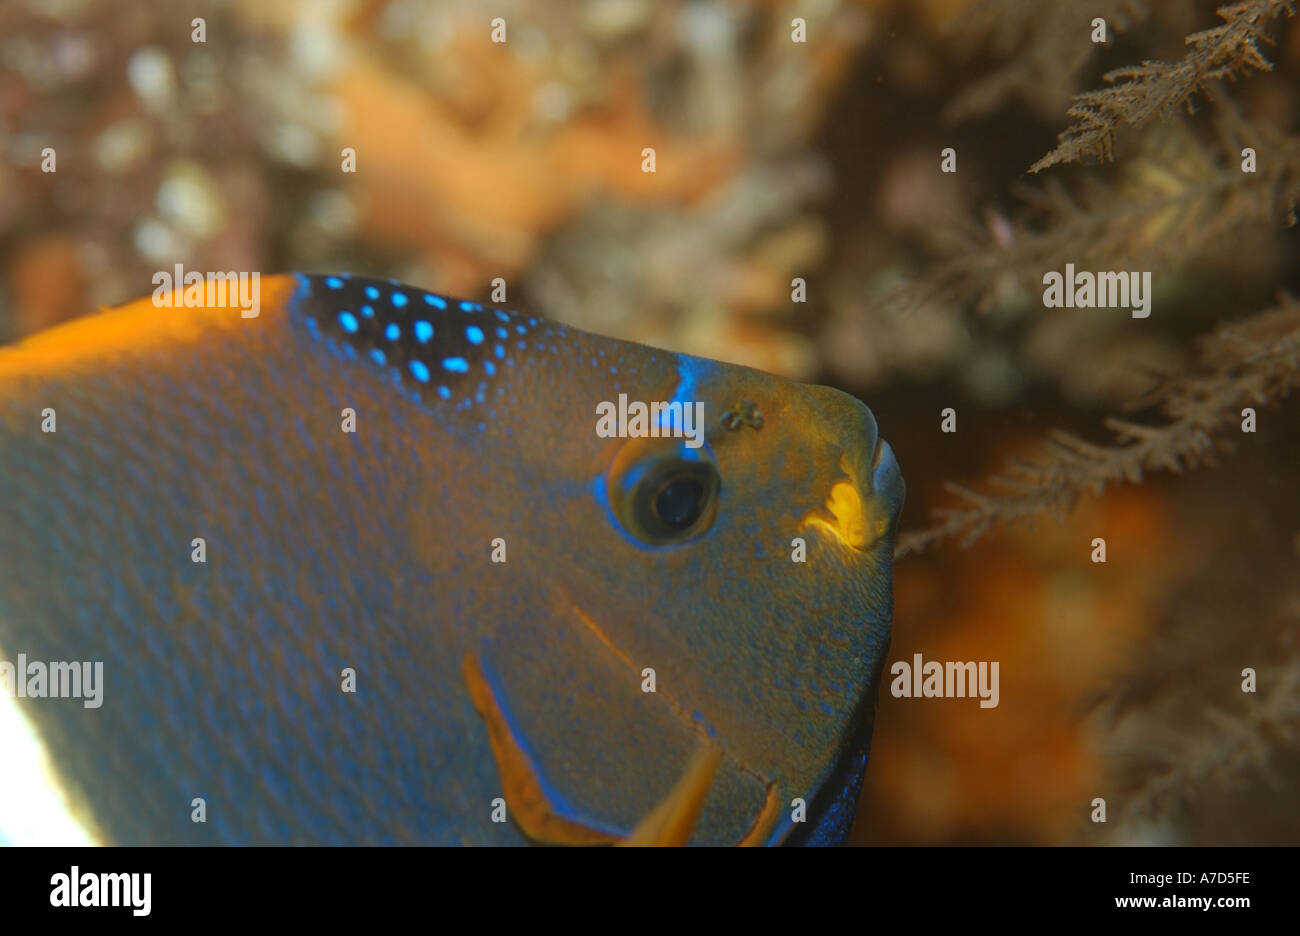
{"points": [[671, 822]]}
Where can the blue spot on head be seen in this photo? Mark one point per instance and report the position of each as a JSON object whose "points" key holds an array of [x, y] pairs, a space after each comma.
{"points": [[372, 292], [436, 301], [349, 322], [444, 393], [490, 368], [613, 369], [502, 316], [521, 329], [474, 334], [368, 311], [399, 299], [457, 364], [392, 332], [502, 333], [423, 331], [378, 356], [466, 306], [333, 282], [420, 371], [499, 351]]}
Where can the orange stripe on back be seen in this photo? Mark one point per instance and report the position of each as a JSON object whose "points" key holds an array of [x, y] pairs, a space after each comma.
{"points": [[142, 325]]}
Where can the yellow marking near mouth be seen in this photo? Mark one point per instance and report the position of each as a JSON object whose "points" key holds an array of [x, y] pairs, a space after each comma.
{"points": [[851, 523]]}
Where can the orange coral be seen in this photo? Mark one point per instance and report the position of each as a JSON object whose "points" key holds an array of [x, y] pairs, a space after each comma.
{"points": [[489, 192], [946, 770], [46, 282]]}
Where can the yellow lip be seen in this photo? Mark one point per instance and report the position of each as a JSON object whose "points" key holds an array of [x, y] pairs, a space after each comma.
{"points": [[853, 520], [849, 521]]}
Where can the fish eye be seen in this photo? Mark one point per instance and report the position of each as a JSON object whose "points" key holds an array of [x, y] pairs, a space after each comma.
{"points": [[679, 503], [662, 492]]}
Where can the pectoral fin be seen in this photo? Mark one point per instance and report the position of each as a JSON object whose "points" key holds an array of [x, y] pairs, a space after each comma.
{"points": [[538, 813], [529, 805]]}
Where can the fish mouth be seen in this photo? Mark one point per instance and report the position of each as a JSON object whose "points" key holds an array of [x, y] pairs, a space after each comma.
{"points": [[833, 806], [862, 509], [887, 480], [861, 512]]}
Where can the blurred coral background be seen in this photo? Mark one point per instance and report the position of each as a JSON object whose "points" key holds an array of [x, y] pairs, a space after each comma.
{"points": [[775, 160]]}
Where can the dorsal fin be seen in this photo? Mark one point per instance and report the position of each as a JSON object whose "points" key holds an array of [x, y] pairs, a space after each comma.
{"points": [[439, 347]]}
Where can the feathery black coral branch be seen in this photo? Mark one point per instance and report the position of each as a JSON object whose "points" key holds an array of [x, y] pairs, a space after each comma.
{"points": [[1142, 93], [1224, 748], [1204, 746], [1180, 198], [1043, 45], [1254, 362]]}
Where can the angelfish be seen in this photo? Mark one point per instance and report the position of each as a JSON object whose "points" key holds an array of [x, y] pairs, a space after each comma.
{"points": [[361, 570]]}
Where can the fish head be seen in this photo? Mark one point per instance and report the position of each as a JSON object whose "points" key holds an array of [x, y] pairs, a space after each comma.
{"points": [[738, 580]]}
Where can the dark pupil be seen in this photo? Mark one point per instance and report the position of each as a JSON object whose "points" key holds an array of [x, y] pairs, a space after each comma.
{"points": [[678, 502]]}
